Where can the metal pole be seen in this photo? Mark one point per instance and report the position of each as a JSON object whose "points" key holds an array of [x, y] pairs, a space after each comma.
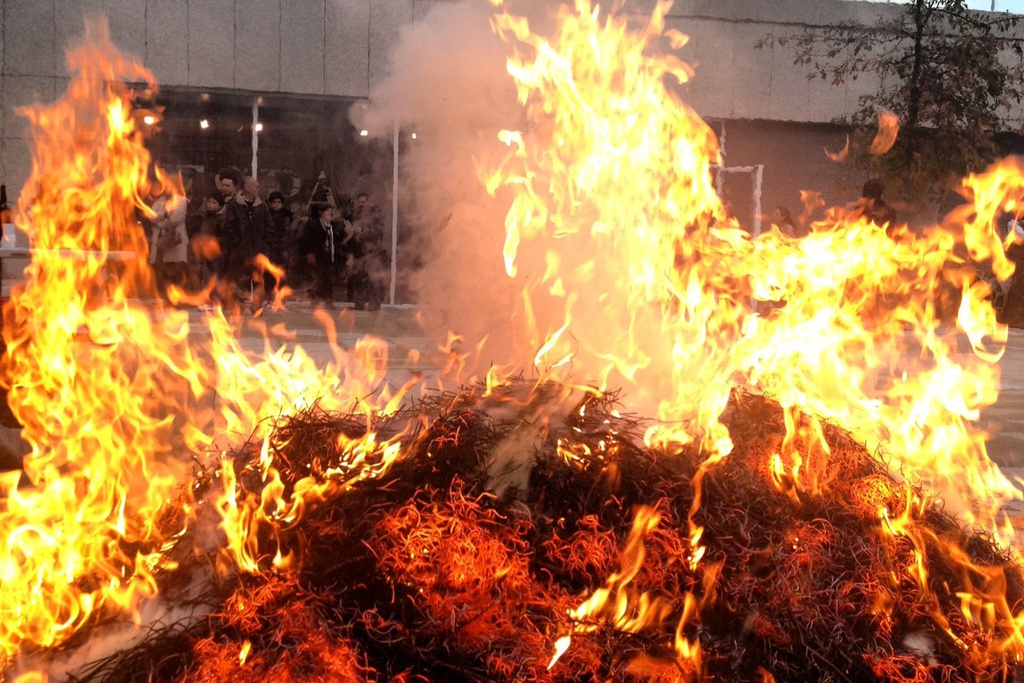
{"points": [[758, 176], [255, 135], [394, 218]]}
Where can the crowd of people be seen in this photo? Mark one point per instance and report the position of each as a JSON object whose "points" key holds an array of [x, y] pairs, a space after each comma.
{"points": [[237, 249], [871, 207]]}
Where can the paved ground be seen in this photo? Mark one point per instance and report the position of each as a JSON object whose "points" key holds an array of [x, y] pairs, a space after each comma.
{"points": [[1005, 419], [397, 324], [409, 353]]}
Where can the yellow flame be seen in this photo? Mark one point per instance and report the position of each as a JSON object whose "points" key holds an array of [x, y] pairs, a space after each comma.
{"points": [[658, 291], [616, 602], [114, 395], [631, 271], [655, 289], [885, 138], [561, 645]]}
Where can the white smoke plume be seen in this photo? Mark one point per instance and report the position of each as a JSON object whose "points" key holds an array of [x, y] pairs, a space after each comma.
{"points": [[448, 83]]}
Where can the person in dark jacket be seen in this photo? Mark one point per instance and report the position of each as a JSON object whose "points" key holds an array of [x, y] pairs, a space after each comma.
{"points": [[364, 240], [247, 224], [277, 240], [206, 251], [318, 246], [229, 182], [876, 209]]}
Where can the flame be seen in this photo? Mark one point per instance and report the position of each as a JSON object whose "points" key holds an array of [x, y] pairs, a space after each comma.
{"points": [[633, 275], [799, 473], [561, 645], [841, 154], [885, 138], [629, 610], [657, 290], [265, 266], [115, 395], [616, 602], [631, 272], [811, 201], [243, 654]]}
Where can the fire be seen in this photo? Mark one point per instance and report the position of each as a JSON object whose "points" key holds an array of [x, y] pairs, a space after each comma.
{"points": [[632, 274], [855, 335], [841, 154], [630, 268], [616, 602], [627, 609], [885, 138], [113, 394], [244, 653]]}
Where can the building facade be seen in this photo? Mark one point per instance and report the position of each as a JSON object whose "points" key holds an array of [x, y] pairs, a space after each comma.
{"points": [[294, 68], [333, 51]]}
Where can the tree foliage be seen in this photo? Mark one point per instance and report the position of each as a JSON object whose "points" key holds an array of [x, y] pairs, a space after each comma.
{"points": [[952, 76]]}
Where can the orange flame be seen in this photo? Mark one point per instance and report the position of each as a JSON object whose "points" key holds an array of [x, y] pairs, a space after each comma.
{"points": [[633, 275], [800, 473], [841, 154], [631, 271], [98, 466], [657, 290], [616, 603], [885, 138], [114, 395]]}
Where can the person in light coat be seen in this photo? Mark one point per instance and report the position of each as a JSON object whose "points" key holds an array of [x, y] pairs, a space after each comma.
{"points": [[168, 245]]}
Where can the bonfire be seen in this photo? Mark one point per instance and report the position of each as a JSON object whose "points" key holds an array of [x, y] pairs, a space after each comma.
{"points": [[425, 574], [712, 455]]}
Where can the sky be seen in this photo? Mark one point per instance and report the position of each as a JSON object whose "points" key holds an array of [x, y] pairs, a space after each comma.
{"points": [[1000, 5]]}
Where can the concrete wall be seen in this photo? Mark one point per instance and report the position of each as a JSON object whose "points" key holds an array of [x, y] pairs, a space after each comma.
{"points": [[338, 48], [735, 80]]}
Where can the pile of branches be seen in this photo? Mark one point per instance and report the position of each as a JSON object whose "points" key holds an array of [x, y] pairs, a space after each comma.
{"points": [[425, 574]]}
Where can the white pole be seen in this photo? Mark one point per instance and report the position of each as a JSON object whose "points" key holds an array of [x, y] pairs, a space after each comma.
{"points": [[758, 176], [255, 135], [394, 218], [719, 178]]}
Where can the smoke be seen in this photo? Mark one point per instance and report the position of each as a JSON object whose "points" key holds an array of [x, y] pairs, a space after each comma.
{"points": [[448, 83]]}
